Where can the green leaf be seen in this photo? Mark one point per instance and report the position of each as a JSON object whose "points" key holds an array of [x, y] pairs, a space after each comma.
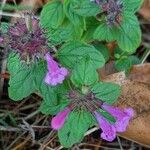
{"points": [[4, 27], [72, 16], [132, 6], [25, 80], [85, 8], [134, 60], [104, 50], [107, 92], [123, 64], [119, 52], [71, 53], [52, 14], [91, 25], [21, 84], [128, 34], [66, 32], [105, 33], [13, 63], [129, 37], [74, 128], [84, 73], [49, 108]]}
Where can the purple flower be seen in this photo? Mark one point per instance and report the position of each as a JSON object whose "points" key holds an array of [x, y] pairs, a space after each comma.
{"points": [[122, 116], [55, 74], [122, 120], [108, 130], [59, 120]]}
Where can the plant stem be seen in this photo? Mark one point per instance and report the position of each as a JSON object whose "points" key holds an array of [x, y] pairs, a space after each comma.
{"points": [[145, 55]]}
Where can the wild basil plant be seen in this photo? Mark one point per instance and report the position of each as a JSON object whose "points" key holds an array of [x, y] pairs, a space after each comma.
{"points": [[58, 57]]}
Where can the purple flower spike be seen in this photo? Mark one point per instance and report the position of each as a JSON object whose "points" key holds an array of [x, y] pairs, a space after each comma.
{"points": [[59, 120], [55, 74], [122, 117], [109, 131]]}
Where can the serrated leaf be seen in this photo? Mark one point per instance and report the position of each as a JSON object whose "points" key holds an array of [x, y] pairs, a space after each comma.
{"points": [[71, 53], [66, 32], [129, 38], [127, 34], [72, 16], [85, 8], [13, 63], [105, 33], [21, 84], [132, 6], [107, 92], [48, 108], [52, 14], [84, 73], [74, 128], [104, 50], [91, 25]]}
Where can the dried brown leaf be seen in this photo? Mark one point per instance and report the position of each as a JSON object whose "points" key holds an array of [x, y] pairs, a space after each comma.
{"points": [[140, 73], [145, 10]]}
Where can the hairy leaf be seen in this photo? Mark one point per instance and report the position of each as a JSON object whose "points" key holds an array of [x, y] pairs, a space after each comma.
{"points": [[52, 14], [107, 92], [71, 53], [84, 73], [85, 8], [74, 128]]}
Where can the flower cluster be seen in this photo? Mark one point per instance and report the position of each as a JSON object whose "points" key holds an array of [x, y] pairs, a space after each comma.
{"points": [[30, 44], [113, 10], [92, 104]]}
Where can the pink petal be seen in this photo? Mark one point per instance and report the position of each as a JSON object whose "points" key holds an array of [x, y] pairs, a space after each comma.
{"points": [[122, 116], [64, 71], [129, 111], [60, 78], [54, 81], [109, 131], [59, 120], [51, 64], [55, 74]]}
